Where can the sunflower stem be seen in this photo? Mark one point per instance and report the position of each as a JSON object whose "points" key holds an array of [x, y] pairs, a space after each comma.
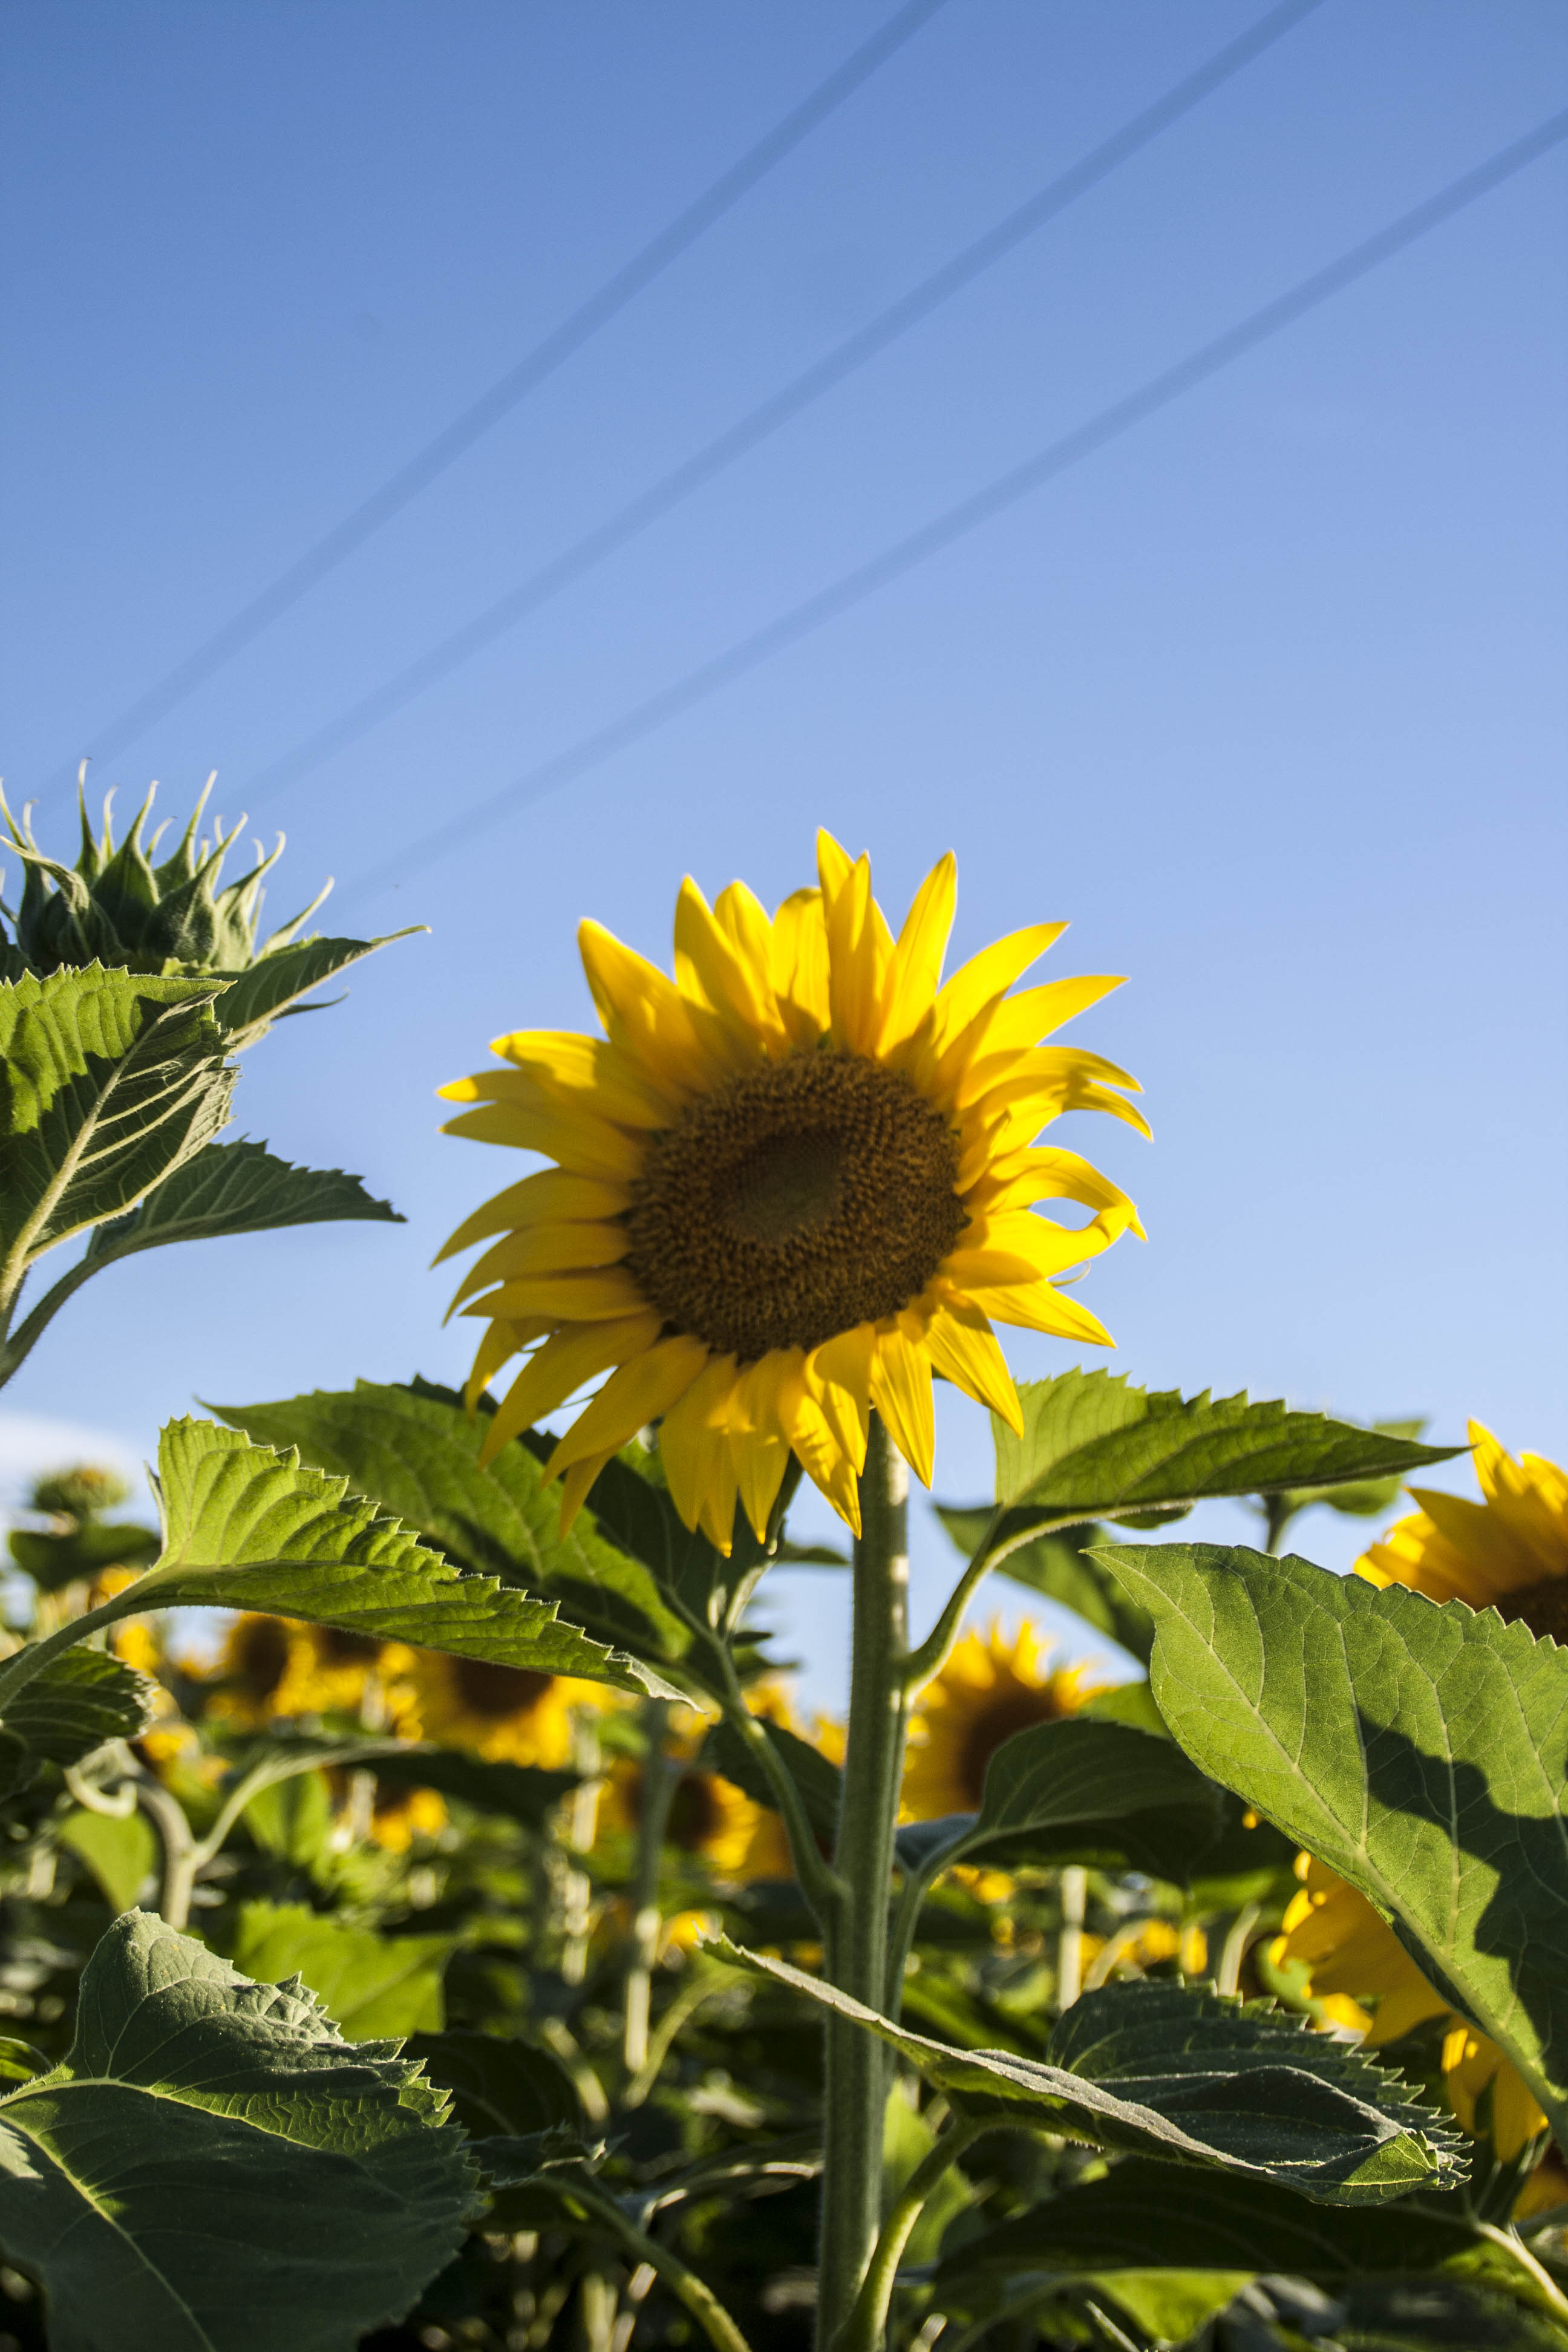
{"points": [[856, 1940]]}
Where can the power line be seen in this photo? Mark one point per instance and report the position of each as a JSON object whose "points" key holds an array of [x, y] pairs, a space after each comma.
{"points": [[853, 587], [433, 460], [683, 482]]}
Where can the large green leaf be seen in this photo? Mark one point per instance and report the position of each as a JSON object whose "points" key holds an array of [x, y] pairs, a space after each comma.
{"points": [[1079, 1791], [212, 2169], [500, 2087], [1418, 1750], [371, 1986], [1143, 2216], [274, 985], [817, 1779], [1190, 2076], [1094, 1448], [111, 1081], [246, 1528], [520, 1792], [52, 1560], [415, 1452]]}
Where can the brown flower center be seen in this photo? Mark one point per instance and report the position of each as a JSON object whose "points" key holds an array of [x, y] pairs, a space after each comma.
{"points": [[793, 1203], [260, 1656], [497, 1692], [1542, 1607]]}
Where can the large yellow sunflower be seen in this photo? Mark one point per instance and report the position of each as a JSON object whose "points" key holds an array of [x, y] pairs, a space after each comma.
{"points": [[989, 1688], [1353, 1957], [790, 1183], [1509, 1553]]}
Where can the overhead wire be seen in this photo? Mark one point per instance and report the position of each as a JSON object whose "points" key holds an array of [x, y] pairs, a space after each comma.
{"points": [[957, 521], [780, 408], [427, 464]]}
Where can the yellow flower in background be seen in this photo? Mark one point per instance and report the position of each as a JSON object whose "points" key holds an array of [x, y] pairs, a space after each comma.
{"points": [[791, 1184], [710, 1819], [271, 1668], [1354, 1956], [989, 1688], [1509, 1553], [398, 1816], [508, 1714]]}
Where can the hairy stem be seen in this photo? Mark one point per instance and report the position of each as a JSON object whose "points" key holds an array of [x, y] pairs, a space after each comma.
{"points": [[863, 2332], [856, 1937]]}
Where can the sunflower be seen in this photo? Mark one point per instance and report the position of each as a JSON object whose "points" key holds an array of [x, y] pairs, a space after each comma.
{"points": [[989, 1688], [710, 1819], [1353, 1957], [271, 1668], [509, 1714], [1509, 1553], [398, 1816], [790, 1184]]}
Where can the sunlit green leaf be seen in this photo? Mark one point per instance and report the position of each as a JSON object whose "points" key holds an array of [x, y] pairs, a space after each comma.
{"points": [[415, 1452], [80, 1699], [121, 1851], [52, 1560], [371, 1985], [213, 2167], [275, 984], [237, 1188], [1190, 2076], [1418, 1750], [111, 1080], [247, 1528]]}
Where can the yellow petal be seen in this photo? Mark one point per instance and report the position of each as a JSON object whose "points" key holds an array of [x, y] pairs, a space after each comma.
{"points": [[577, 1485], [691, 1446], [853, 960], [549, 1196], [716, 974], [584, 1145], [1022, 1020], [500, 1343], [588, 1297], [824, 1459], [832, 862], [1037, 1307], [543, 1249], [910, 988], [963, 1348], [990, 974], [984, 1269], [639, 1392], [765, 1394], [578, 1352], [643, 1012], [1046, 1246], [800, 968], [900, 1391], [569, 1066], [838, 1375]]}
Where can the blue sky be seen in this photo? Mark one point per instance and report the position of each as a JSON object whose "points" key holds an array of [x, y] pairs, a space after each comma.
{"points": [[1266, 696]]}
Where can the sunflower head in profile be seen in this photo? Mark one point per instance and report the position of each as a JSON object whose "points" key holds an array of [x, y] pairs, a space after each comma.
{"points": [[272, 1669], [1366, 1980], [511, 1715], [1509, 1553], [790, 1184], [989, 1688]]}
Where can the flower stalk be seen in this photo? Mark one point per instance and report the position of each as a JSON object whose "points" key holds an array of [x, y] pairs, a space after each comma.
{"points": [[856, 1940], [660, 1774]]}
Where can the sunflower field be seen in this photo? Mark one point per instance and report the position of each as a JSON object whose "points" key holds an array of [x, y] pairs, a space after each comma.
{"points": [[427, 1916]]}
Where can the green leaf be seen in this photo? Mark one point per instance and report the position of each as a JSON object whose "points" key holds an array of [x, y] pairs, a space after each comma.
{"points": [[498, 2086], [1191, 2076], [1144, 2215], [111, 1081], [521, 1792], [52, 1560], [416, 1452], [246, 1528], [1061, 1568], [1080, 1792], [237, 1188], [371, 1985], [1418, 1750], [80, 1699], [276, 983], [1094, 1448], [121, 1852], [212, 2169], [816, 1775]]}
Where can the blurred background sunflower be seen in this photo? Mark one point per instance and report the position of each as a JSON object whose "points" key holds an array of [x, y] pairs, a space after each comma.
{"points": [[506, 1714], [272, 1669], [990, 1687]]}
